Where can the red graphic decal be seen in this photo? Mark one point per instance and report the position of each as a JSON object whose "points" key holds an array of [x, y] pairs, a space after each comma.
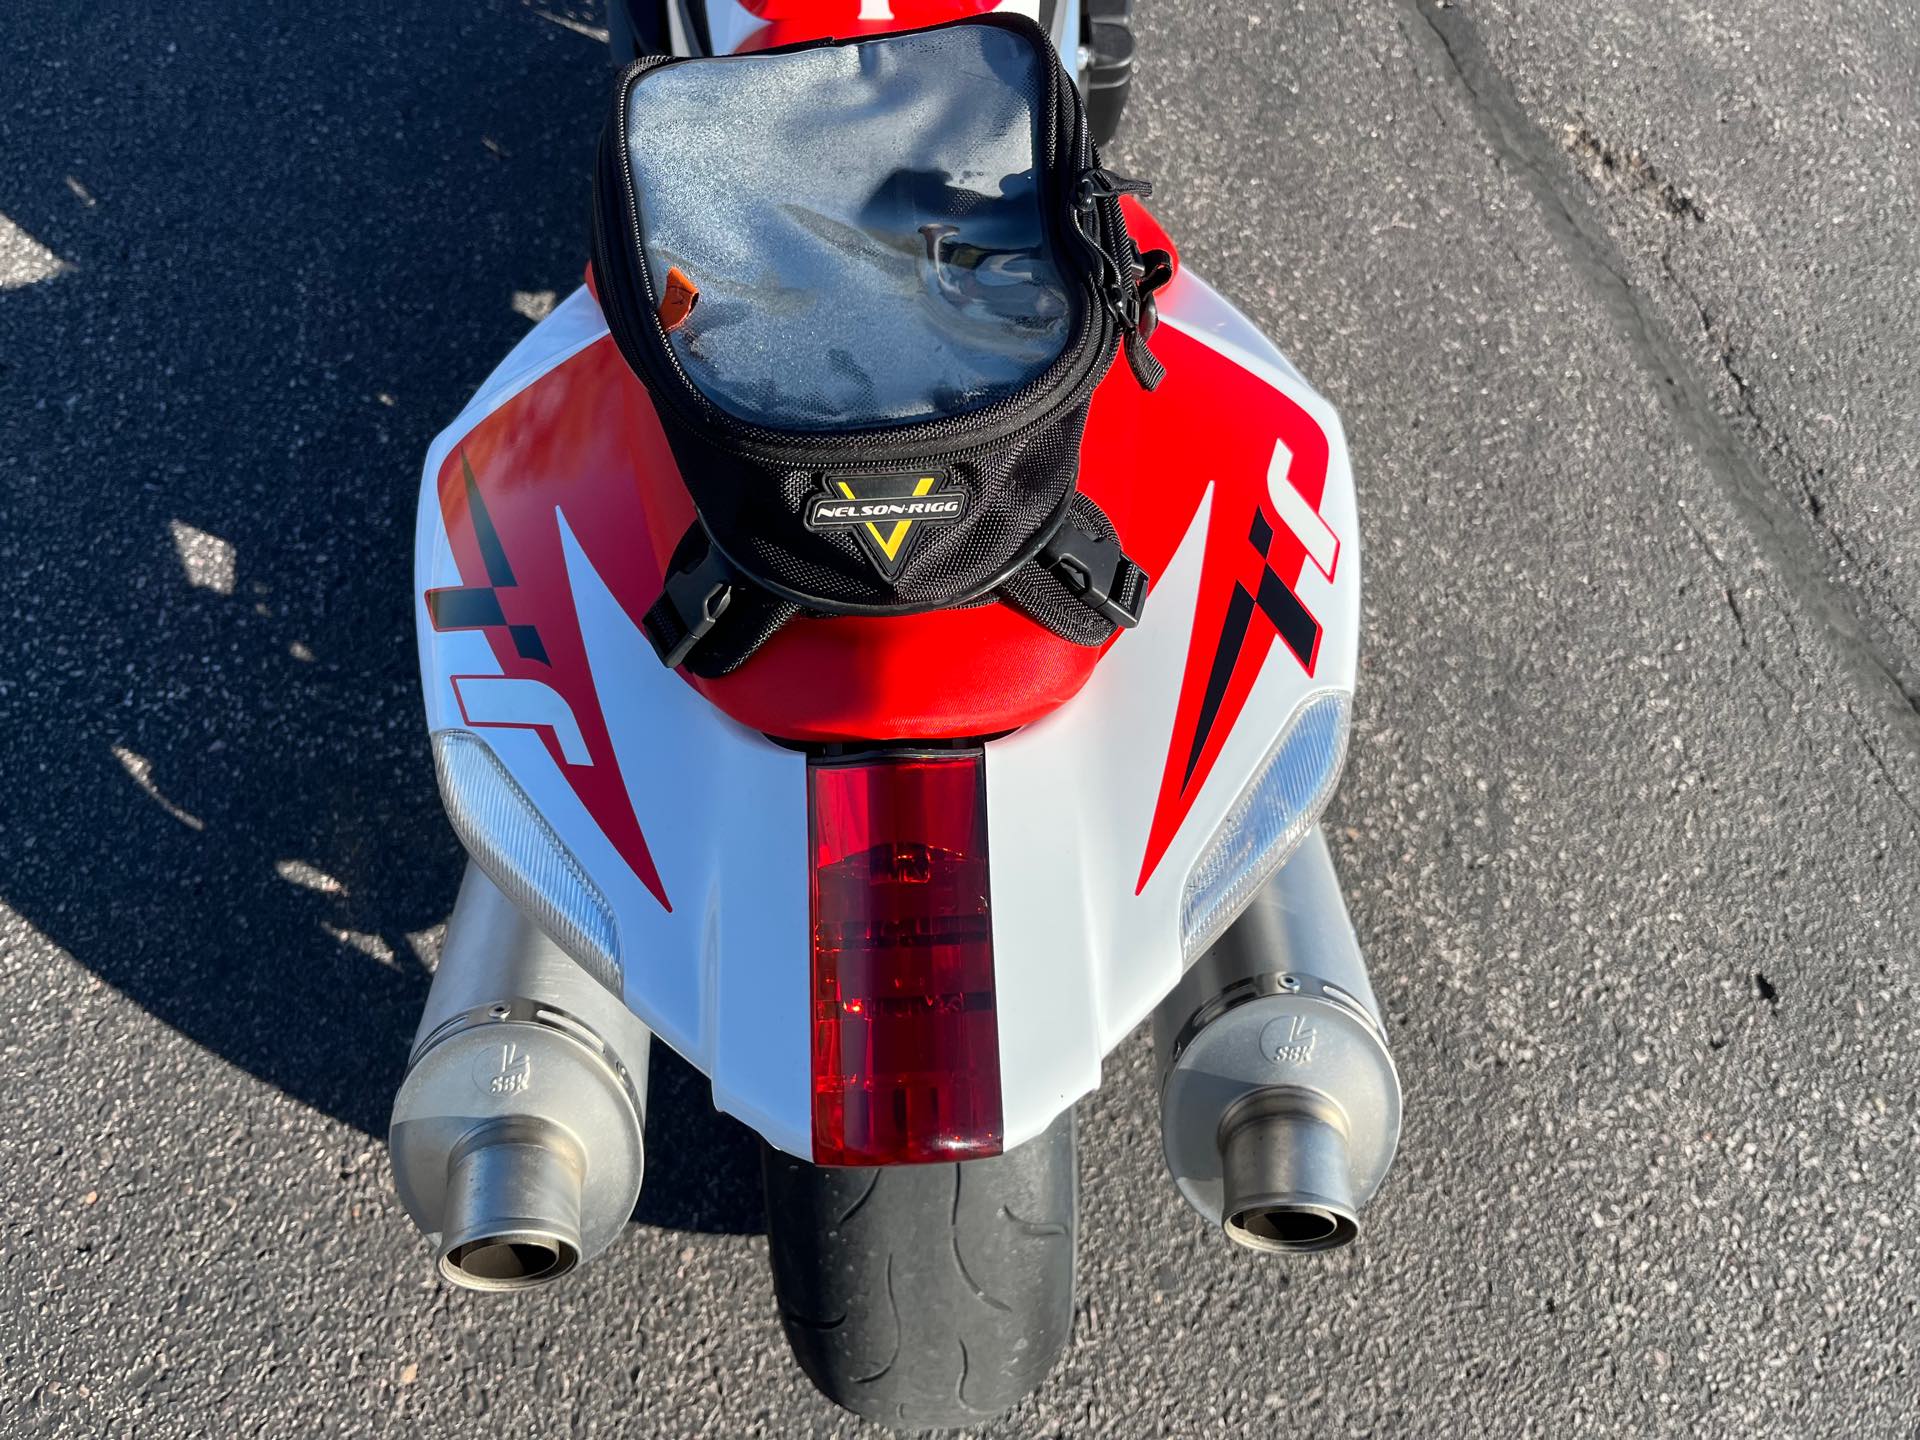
{"points": [[834, 13], [568, 442], [790, 22], [1147, 461], [502, 702]]}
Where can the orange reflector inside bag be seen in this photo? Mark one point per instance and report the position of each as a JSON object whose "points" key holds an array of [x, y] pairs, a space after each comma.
{"points": [[678, 302]]}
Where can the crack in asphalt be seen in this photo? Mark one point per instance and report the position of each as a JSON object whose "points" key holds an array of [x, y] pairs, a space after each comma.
{"points": [[1727, 593], [1768, 673], [1786, 545], [1628, 173], [1804, 473]]}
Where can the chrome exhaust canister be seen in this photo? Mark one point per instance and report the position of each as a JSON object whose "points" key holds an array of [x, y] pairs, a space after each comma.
{"points": [[1280, 1105]]}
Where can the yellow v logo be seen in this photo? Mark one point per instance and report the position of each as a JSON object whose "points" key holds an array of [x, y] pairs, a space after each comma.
{"points": [[895, 536], [886, 511]]}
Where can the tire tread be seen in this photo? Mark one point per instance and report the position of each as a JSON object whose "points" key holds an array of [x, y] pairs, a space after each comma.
{"points": [[922, 1295]]}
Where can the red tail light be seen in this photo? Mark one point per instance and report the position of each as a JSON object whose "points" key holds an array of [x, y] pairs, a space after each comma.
{"points": [[906, 1045]]}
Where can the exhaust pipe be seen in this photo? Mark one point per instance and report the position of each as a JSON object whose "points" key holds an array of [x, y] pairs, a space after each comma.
{"points": [[1280, 1106], [516, 1134]]}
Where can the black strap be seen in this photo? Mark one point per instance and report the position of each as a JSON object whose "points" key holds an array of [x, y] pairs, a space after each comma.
{"points": [[1155, 269], [701, 587]]}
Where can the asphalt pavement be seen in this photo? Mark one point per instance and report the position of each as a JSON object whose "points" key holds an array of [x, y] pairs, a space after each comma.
{"points": [[1619, 301]]}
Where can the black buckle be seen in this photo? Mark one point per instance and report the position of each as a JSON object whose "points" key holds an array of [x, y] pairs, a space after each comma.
{"points": [[1156, 270], [691, 600], [1099, 574]]}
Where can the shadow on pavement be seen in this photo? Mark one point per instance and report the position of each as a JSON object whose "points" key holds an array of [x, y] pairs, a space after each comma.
{"points": [[276, 258]]}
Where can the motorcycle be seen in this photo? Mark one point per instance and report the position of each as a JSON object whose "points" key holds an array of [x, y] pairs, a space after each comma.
{"points": [[895, 879]]}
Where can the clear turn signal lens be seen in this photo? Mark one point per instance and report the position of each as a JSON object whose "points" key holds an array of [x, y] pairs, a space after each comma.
{"points": [[509, 840], [1268, 821]]}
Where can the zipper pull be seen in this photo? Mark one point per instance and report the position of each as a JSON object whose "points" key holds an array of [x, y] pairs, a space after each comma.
{"points": [[1101, 184], [1137, 315], [1129, 291], [1155, 269], [1146, 366]]}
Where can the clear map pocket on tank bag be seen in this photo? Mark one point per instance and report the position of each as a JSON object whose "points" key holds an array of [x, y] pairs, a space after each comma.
{"points": [[870, 287]]}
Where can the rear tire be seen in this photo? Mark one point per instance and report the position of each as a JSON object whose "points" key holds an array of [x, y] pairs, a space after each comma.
{"points": [[927, 1295]]}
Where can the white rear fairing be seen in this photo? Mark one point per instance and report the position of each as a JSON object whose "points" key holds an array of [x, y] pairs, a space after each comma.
{"points": [[723, 975], [1079, 958]]}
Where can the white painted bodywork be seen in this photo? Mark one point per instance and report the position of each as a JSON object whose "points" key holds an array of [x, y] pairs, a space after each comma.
{"points": [[1079, 958], [723, 977]]}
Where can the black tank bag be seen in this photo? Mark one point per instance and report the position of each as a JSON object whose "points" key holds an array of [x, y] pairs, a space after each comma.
{"points": [[871, 286]]}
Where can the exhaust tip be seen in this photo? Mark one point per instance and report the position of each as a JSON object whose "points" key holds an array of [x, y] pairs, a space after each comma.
{"points": [[1291, 1229], [513, 1207], [1287, 1179], [509, 1262]]}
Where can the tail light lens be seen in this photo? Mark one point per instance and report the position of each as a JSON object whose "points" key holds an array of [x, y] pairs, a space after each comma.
{"points": [[906, 1047]]}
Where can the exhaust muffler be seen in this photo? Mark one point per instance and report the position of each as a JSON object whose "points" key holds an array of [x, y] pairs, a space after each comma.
{"points": [[517, 1132], [1280, 1106]]}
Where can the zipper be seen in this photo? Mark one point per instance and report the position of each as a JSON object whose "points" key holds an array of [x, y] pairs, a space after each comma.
{"points": [[1103, 227], [1097, 198], [1099, 183], [629, 200], [645, 345]]}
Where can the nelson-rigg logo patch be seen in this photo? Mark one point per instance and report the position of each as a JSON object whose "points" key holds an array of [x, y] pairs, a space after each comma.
{"points": [[887, 513]]}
